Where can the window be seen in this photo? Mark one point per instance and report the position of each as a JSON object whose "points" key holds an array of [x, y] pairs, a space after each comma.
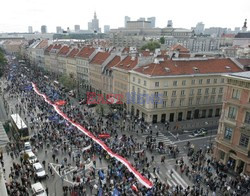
{"points": [[193, 82], [145, 83], [164, 104], [215, 81], [133, 79], [228, 133], [213, 90], [244, 140], [166, 84], [198, 100], [182, 102], [212, 99], [206, 100], [232, 112], [165, 93], [221, 90], [199, 92], [174, 83], [155, 104], [173, 102], [191, 92], [236, 94], [173, 93], [200, 81], [190, 101], [207, 91], [133, 88], [182, 92], [139, 81], [222, 80], [222, 155], [183, 82], [143, 102], [208, 81], [156, 94], [247, 118], [157, 84], [219, 99]]}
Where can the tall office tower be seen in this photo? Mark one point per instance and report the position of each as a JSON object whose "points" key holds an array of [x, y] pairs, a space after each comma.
{"points": [[152, 20], [199, 29], [141, 19], [43, 29], [77, 28], [30, 29], [106, 28], [126, 19], [59, 29], [95, 24], [244, 28], [170, 23]]}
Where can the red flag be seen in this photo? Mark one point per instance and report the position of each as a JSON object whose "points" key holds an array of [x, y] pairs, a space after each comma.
{"points": [[134, 188]]}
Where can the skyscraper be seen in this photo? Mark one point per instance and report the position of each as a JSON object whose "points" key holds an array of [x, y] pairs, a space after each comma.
{"points": [[152, 20], [126, 19], [170, 24], [43, 29], [95, 24], [106, 28], [199, 29], [77, 28], [58, 29], [244, 28], [30, 29]]}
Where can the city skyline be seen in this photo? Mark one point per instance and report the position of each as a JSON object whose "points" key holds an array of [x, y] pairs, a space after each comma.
{"points": [[53, 14]]}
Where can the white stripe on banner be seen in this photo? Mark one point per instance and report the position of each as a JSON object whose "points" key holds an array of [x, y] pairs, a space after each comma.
{"points": [[144, 181]]}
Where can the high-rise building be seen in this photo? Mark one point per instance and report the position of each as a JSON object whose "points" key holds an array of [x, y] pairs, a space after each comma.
{"points": [[141, 19], [59, 29], [170, 24], [77, 28], [43, 29], [95, 24], [126, 19], [244, 28], [106, 28], [152, 20], [30, 29], [232, 148], [199, 29]]}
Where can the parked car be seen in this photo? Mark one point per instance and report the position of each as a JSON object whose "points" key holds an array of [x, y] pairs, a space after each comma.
{"points": [[40, 172], [38, 189], [27, 147], [31, 157]]}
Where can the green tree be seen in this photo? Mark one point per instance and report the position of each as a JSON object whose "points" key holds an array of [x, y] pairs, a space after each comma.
{"points": [[162, 40], [3, 62], [151, 46], [68, 82]]}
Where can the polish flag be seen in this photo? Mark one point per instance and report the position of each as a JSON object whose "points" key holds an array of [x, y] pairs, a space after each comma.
{"points": [[134, 188]]}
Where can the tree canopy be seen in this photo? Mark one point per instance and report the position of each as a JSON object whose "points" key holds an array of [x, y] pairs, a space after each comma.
{"points": [[3, 61], [162, 40], [151, 46], [67, 81]]}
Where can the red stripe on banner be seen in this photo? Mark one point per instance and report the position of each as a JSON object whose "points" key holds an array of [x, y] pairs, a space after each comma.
{"points": [[147, 183]]}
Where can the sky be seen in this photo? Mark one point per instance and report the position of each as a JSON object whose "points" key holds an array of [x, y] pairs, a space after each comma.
{"points": [[17, 15]]}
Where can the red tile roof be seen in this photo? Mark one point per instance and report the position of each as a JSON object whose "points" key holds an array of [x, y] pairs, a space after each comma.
{"points": [[128, 63], [73, 53], [125, 50], [179, 47], [171, 67], [100, 57], [43, 44], [114, 62], [64, 51], [57, 46], [146, 53], [49, 48], [228, 35], [85, 52], [184, 55]]}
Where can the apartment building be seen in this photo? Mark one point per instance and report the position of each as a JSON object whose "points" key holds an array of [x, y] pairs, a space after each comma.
{"points": [[232, 142], [179, 89], [47, 62], [53, 58], [71, 63], [82, 64], [62, 59]]}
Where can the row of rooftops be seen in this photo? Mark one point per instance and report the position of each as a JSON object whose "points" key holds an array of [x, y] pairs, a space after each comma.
{"points": [[161, 64]]}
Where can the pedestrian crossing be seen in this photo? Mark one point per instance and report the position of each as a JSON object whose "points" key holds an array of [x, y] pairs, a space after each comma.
{"points": [[171, 178], [162, 138]]}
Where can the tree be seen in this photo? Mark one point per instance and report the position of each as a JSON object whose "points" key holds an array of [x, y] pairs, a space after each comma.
{"points": [[67, 81], [3, 62], [162, 40], [151, 46]]}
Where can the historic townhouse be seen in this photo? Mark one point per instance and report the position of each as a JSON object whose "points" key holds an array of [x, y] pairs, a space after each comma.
{"points": [[71, 63], [53, 58], [232, 146], [47, 62], [62, 59], [179, 89]]}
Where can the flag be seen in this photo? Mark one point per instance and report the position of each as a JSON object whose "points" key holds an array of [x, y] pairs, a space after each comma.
{"points": [[134, 188], [100, 192], [53, 118], [101, 174], [116, 192], [28, 88]]}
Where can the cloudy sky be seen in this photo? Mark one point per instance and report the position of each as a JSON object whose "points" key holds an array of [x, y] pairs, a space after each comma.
{"points": [[17, 15]]}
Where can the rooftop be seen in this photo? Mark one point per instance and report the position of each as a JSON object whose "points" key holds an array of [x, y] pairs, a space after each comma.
{"points": [[113, 62], [100, 57], [86, 52], [73, 53], [245, 75], [64, 51]]}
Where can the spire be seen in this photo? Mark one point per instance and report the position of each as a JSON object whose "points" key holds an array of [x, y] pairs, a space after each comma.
{"points": [[245, 24], [95, 15]]}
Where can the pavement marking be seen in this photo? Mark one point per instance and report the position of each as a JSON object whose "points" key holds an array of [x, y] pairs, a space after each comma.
{"points": [[170, 180], [179, 179], [198, 138]]}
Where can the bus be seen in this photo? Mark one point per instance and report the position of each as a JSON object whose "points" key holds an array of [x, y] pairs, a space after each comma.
{"points": [[20, 129]]}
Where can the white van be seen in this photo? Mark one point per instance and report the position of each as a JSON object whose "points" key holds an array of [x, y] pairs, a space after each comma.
{"points": [[32, 157], [38, 189], [27, 147], [39, 170]]}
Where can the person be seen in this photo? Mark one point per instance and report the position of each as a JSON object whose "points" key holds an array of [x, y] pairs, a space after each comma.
{"points": [[47, 190]]}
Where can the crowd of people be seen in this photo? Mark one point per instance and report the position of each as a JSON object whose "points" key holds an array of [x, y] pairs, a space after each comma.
{"points": [[59, 139]]}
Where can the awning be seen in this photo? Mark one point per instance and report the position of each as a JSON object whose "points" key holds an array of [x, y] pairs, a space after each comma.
{"points": [[113, 100], [3, 136]]}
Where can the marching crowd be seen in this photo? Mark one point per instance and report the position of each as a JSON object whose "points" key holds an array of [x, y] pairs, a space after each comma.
{"points": [[54, 134]]}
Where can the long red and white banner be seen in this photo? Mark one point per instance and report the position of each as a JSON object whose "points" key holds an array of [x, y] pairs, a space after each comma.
{"points": [[147, 183]]}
